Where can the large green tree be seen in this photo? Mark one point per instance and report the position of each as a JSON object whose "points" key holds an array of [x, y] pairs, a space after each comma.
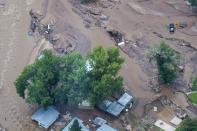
{"points": [[40, 80], [168, 61], [193, 2], [188, 125], [73, 81], [104, 78], [75, 126], [53, 79]]}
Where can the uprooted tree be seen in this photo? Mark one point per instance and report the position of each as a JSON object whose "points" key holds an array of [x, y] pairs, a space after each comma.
{"points": [[54, 79], [104, 78], [167, 60]]}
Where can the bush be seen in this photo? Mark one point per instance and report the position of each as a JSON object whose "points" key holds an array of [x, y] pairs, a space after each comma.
{"points": [[194, 84], [188, 125], [193, 98]]}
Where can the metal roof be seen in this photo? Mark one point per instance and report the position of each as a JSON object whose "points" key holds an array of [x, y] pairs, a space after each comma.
{"points": [[83, 128], [106, 127], [45, 117], [105, 105], [125, 99], [99, 121], [115, 108]]}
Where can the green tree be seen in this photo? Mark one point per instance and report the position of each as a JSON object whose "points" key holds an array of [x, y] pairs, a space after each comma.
{"points": [[193, 2], [75, 126], [194, 84], [168, 61], [188, 125], [53, 79], [39, 79], [73, 81], [104, 79]]}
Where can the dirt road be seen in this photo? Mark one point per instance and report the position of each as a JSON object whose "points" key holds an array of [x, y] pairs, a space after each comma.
{"points": [[15, 48]]}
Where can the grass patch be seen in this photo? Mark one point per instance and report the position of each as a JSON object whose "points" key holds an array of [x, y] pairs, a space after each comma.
{"points": [[194, 84], [193, 98]]}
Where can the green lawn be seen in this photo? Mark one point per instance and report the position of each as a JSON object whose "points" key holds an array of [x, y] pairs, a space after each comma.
{"points": [[193, 98]]}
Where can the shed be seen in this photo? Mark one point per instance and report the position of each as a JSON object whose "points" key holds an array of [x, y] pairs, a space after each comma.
{"points": [[106, 127], [45, 117], [83, 128], [125, 99], [115, 108], [99, 121]]}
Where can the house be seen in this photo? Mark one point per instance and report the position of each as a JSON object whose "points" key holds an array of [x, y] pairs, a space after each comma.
{"points": [[106, 127], [116, 107], [125, 99], [83, 128], [45, 117]]}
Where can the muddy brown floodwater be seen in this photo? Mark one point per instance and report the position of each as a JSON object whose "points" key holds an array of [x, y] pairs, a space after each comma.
{"points": [[17, 49]]}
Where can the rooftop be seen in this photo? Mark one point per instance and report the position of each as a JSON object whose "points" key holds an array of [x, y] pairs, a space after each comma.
{"points": [[45, 117], [125, 99], [115, 108], [83, 128]]}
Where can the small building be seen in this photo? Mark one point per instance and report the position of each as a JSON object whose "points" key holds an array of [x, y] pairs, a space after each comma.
{"points": [[106, 127], [125, 99], [83, 127], [115, 108], [45, 117], [99, 121], [105, 105]]}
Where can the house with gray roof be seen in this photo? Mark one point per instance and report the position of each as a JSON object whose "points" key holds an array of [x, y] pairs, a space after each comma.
{"points": [[125, 99], [116, 107], [45, 116]]}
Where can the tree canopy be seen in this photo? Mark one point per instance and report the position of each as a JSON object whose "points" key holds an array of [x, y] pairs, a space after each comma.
{"points": [[193, 2], [54, 79], [168, 61], [194, 83], [104, 79], [188, 125], [75, 126]]}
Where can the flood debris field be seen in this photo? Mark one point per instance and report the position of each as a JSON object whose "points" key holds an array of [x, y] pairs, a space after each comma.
{"points": [[67, 26]]}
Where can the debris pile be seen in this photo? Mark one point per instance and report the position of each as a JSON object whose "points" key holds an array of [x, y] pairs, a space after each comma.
{"points": [[92, 15]]}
